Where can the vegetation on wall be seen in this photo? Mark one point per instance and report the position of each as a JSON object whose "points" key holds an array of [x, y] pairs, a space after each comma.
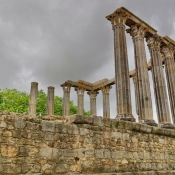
{"points": [[14, 100]]}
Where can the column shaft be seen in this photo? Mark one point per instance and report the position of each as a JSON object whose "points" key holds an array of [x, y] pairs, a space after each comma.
{"points": [[143, 85], [80, 101], [170, 75], [123, 96], [136, 95], [33, 98], [106, 103], [93, 95], [66, 100], [161, 97], [50, 101]]}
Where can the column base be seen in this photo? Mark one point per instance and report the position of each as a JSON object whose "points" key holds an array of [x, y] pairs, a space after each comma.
{"points": [[125, 117], [148, 122], [167, 125]]}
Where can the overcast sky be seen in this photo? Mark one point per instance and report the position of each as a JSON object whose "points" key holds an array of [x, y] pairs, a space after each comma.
{"points": [[57, 40]]}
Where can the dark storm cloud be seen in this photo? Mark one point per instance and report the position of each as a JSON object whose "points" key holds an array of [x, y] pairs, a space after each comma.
{"points": [[53, 41]]}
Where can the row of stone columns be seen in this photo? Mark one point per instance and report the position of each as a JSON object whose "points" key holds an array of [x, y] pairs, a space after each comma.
{"points": [[33, 100], [80, 101], [141, 80], [66, 100]]}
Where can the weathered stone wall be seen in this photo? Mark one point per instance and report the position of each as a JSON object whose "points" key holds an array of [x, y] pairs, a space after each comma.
{"points": [[83, 145]]}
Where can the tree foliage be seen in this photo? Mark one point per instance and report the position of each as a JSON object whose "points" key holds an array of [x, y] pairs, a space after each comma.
{"points": [[13, 100]]}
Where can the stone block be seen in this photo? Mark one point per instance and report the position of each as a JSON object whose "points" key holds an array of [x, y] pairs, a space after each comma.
{"points": [[61, 128], [20, 123], [73, 130], [48, 126], [99, 153], [116, 135], [97, 121], [49, 136], [79, 119], [45, 152], [3, 124], [84, 131], [57, 153]]}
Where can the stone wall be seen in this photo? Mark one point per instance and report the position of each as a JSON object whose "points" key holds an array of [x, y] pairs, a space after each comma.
{"points": [[83, 145]]}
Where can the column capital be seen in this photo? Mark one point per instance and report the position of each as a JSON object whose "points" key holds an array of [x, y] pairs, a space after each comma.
{"points": [[93, 94], [51, 87], [66, 87], [154, 42], [136, 31], [168, 51], [117, 18], [106, 89], [80, 91]]}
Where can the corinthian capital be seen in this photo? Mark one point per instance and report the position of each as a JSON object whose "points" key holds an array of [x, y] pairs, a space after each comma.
{"points": [[136, 31], [119, 17], [168, 51], [106, 89], [92, 94], [66, 87], [154, 42], [80, 91]]}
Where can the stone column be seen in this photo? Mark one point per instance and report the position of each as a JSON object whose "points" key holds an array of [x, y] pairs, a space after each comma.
{"points": [[93, 95], [123, 94], [33, 98], [168, 53], [80, 100], [106, 105], [136, 95], [143, 85], [50, 101], [66, 99], [161, 97]]}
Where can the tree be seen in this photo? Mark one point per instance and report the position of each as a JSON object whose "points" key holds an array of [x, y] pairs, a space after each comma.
{"points": [[13, 100]]}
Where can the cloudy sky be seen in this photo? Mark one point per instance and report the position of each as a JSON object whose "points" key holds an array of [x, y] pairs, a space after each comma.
{"points": [[57, 40]]}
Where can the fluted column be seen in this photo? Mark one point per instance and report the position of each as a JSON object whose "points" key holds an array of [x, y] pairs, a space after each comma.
{"points": [[66, 100], [168, 53], [50, 101], [80, 100], [93, 95], [33, 98], [143, 85], [123, 94], [136, 95], [161, 97], [106, 105]]}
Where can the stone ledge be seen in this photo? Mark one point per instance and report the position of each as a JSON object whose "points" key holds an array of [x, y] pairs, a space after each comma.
{"points": [[119, 124]]}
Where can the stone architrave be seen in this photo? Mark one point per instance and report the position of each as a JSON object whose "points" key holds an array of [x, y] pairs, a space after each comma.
{"points": [[168, 52], [123, 94], [136, 95], [33, 98], [80, 100], [161, 97], [93, 95], [66, 99], [50, 101], [143, 86], [106, 104]]}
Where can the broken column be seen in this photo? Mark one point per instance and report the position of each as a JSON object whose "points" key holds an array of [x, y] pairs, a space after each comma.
{"points": [[106, 103], [80, 100], [66, 99], [143, 86], [33, 98], [161, 97], [50, 101], [123, 95], [93, 95], [168, 52]]}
